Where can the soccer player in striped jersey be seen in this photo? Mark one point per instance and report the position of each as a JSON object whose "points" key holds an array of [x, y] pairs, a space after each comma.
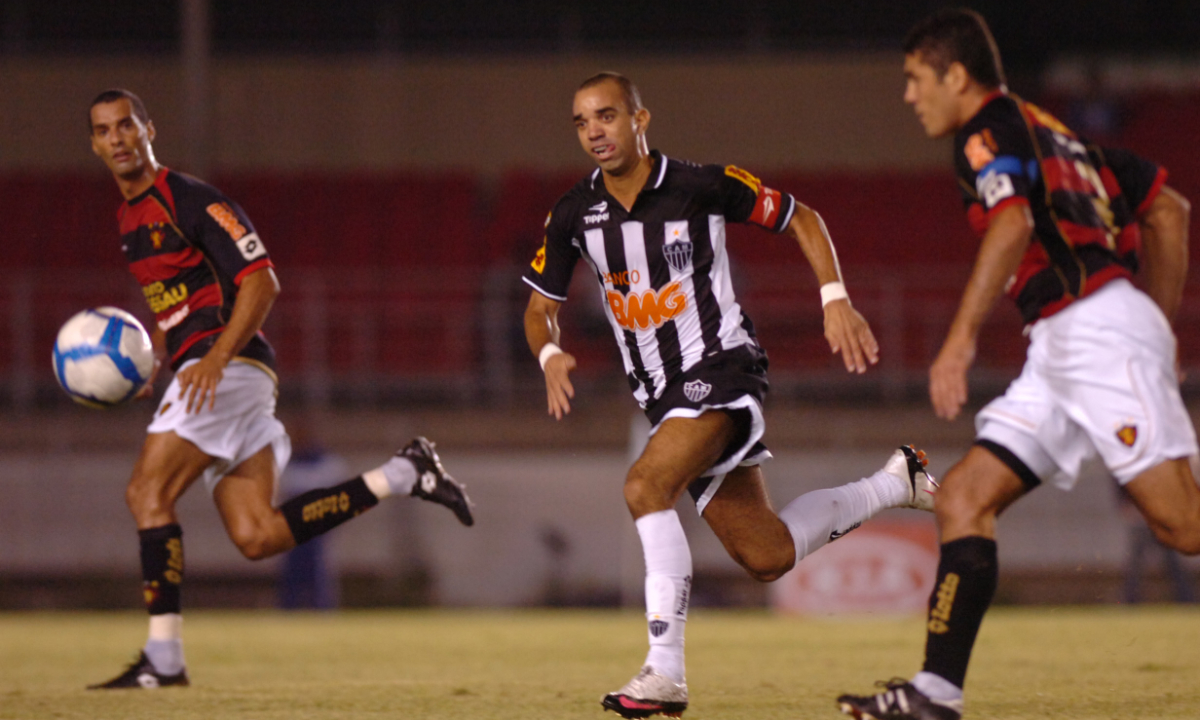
{"points": [[210, 284], [1064, 225], [652, 232]]}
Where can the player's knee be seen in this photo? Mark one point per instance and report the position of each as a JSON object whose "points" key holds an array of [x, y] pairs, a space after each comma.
{"points": [[1181, 536], [148, 500], [768, 568], [253, 548], [954, 501], [642, 495], [249, 539]]}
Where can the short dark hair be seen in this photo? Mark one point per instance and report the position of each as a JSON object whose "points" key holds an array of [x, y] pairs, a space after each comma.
{"points": [[957, 35], [115, 94], [633, 99]]}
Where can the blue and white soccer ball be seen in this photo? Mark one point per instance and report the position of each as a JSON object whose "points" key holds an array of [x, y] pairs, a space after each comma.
{"points": [[102, 357]]}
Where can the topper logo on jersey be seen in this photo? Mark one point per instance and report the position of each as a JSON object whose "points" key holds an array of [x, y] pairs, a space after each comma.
{"points": [[696, 390], [649, 309], [600, 211], [766, 207]]}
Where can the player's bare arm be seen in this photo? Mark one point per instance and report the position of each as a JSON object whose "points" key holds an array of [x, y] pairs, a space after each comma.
{"points": [[158, 340], [542, 333], [1164, 228], [845, 329], [254, 300], [1000, 254]]}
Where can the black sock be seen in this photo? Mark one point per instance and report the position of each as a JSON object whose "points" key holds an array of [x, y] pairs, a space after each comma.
{"points": [[319, 511], [966, 582], [162, 567]]}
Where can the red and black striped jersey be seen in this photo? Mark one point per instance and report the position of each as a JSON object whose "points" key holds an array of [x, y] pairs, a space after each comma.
{"points": [[1084, 199], [190, 247], [661, 266]]}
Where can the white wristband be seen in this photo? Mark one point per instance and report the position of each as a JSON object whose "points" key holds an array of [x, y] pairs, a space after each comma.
{"points": [[549, 350], [833, 291]]}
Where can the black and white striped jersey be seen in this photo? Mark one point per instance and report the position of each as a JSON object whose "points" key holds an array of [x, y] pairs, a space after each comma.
{"points": [[662, 266]]}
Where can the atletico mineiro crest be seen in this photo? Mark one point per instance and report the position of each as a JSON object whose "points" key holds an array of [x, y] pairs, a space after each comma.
{"points": [[1127, 434]]}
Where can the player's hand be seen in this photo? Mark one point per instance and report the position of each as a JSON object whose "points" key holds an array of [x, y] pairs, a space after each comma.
{"points": [[948, 377], [147, 390], [199, 382], [559, 390], [848, 333]]}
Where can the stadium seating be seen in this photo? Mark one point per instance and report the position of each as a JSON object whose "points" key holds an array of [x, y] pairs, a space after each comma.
{"points": [[371, 263]]}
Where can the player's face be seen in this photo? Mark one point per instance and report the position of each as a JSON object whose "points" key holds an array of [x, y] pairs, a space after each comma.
{"points": [[120, 139], [608, 132], [934, 100]]}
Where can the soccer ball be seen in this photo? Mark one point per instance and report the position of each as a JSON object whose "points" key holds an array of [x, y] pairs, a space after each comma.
{"points": [[102, 357]]}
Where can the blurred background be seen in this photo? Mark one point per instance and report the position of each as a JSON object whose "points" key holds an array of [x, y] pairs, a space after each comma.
{"points": [[398, 159]]}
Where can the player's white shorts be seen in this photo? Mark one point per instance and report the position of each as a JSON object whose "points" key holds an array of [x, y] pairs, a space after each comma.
{"points": [[1099, 377], [241, 423]]}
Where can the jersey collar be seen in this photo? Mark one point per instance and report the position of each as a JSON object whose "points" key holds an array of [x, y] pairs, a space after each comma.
{"points": [[658, 173], [159, 179]]}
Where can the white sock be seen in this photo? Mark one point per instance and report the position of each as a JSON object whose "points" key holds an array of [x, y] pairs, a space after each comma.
{"points": [[937, 688], [668, 589], [814, 516], [164, 647], [892, 491], [397, 476]]}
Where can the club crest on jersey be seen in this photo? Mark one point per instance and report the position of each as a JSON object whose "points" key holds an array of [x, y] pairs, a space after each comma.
{"points": [[1127, 434], [646, 310], [658, 627], [696, 390], [678, 254]]}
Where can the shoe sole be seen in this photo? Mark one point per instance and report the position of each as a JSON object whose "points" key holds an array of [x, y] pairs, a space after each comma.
{"points": [[669, 709], [848, 709]]}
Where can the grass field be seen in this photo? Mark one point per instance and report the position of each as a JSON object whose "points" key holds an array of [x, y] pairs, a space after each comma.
{"points": [[1090, 664]]}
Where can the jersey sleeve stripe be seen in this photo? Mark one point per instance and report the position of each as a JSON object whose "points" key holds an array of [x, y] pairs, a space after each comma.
{"points": [[787, 219], [1160, 179], [1005, 203], [252, 268], [552, 296]]}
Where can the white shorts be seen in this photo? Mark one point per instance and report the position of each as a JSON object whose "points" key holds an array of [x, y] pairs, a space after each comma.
{"points": [[1099, 378], [241, 423]]}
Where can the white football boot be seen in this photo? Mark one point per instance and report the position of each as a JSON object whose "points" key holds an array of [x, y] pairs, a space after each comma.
{"points": [[908, 464], [648, 693]]}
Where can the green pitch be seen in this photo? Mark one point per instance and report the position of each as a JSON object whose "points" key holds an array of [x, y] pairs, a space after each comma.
{"points": [[1082, 664]]}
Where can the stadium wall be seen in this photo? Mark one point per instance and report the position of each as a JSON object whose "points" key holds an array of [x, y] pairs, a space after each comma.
{"points": [[482, 115], [538, 486]]}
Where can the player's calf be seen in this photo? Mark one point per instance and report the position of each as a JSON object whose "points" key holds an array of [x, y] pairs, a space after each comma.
{"points": [[1169, 499], [415, 470]]}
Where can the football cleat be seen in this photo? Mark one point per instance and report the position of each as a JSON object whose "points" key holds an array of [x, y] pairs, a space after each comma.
{"points": [[141, 674], [908, 463], [434, 483], [899, 701], [648, 693]]}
